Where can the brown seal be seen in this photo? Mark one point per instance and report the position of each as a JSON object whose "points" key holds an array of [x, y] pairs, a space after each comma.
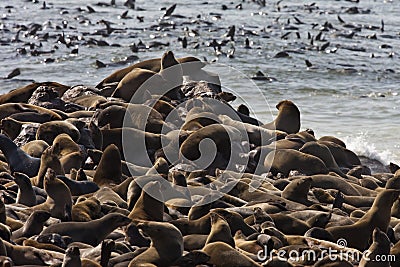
{"points": [[342, 156], [149, 206], [26, 195], [285, 160], [288, 118], [321, 151], [150, 64], [166, 244], [86, 210], [333, 140], [49, 159], [33, 225], [297, 190], [223, 255], [358, 234], [22, 94], [379, 247], [48, 131], [59, 199], [17, 159], [220, 231], [109, 168], [35, 148], [92, 232]]}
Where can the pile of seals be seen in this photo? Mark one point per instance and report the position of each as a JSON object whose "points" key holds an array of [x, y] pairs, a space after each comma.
{"points": [[154, 167]]}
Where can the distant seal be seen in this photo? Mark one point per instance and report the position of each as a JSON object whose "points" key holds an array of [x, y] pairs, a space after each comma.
{"points": [[92, 232], [288, 118], [166, 246], [285, 160], [17, 159], [223, 255], [377, 216]]}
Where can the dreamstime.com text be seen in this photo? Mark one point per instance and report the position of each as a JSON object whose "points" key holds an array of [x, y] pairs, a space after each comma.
{"points": [[333, 254]]}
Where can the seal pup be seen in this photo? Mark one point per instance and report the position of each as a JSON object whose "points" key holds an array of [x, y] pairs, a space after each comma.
{"points": [[378, 216], [92, 232], [166, 244], [17, 159], [288, 118]]}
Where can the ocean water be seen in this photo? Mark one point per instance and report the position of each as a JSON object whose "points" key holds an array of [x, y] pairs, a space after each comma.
{"points": [[351, 90]]}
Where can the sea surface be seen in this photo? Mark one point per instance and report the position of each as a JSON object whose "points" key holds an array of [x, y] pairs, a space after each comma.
{"points": [[350, 90]]}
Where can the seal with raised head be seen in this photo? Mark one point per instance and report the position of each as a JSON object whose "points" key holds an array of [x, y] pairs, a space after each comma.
{"points": [[92, 232], [358, 234], [166, 245], [17, 159], [288, 118]]}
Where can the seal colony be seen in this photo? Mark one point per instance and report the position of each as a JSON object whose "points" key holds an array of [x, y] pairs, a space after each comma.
{"points": [[75, 194]]}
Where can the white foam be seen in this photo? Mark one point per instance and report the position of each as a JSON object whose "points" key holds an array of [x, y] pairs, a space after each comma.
{"points": [[362, 146]]}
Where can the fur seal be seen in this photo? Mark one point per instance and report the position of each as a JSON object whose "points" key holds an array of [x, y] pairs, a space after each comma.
{"points": [[220, 231], [92, 232], [343, 156], [150, 64], [148, 208], [321, 151], [166, 246], [333, 140], [288, 118], [26, 195], [59, 199], [285, 160], [297, 190], [17, 159], [377, 216], [48, 131], [380, 247], [49, 159], [33, 225], [86, 210], [35, 148], [109, 169], [223, 255]]}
